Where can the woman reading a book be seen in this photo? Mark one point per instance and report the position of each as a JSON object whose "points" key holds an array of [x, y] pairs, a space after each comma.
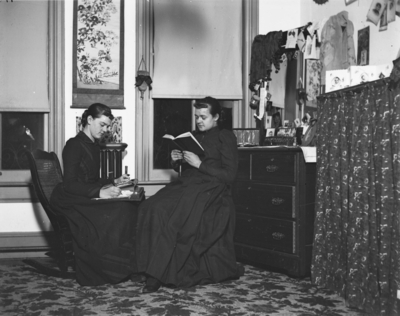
{"points": [[185, 231], [103, 239]]}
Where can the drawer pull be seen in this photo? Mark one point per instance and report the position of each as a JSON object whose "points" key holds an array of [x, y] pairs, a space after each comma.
{"points": [[272, 168], [278, 236], [277, 201]]}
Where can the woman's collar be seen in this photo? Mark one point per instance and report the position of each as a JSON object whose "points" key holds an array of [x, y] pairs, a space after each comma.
{"points": [[86, 138]]}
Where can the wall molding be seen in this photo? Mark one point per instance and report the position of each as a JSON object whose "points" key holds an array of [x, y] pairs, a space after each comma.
{"points": [[26, 242], [17, 192]]}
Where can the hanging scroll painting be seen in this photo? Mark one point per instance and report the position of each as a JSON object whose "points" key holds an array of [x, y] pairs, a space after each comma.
{"points": [[98, 53]]}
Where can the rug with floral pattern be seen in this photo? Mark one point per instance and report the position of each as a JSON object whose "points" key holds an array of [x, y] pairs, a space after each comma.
{"points": [[25, 292]]}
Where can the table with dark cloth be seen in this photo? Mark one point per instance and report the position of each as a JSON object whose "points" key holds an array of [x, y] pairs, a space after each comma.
{"points": [[103, 231]]}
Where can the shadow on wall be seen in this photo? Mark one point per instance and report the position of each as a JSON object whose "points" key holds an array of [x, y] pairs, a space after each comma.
{"points": [[187, 14], [42, 220]]}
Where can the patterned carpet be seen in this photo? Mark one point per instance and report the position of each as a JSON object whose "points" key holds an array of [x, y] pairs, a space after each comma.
{"points": [[25, 292]]}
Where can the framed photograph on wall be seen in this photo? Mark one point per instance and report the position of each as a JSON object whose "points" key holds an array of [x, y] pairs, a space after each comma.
{"points": [[98, 53], [363, 47]]}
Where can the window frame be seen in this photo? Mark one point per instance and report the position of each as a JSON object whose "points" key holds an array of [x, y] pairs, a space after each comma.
{"points": [[242, 114], [16, 185]]}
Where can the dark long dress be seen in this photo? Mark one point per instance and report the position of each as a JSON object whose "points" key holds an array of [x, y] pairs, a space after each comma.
{"points": [[185, 231], [103, 231]]}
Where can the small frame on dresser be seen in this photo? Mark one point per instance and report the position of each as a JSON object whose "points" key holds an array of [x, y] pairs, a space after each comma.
{"points": [[270, 132]]}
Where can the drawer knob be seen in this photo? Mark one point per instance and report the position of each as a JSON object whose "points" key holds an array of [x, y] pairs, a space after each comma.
{"points": [[277, 201], [278, 236], [272, 168]]}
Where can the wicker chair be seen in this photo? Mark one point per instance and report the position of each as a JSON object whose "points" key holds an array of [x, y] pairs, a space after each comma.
{"points": [[46, 174]]}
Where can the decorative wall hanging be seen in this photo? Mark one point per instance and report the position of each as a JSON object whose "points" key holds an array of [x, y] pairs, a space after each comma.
{"points": [[312, 81], [98, 53], [143, 79], [114, 135]]}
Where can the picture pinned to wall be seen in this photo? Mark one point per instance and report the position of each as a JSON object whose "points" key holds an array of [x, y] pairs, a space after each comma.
{"points": [[397, 7], [312, 81], [363, 47], [376, 10], [383, 20], [311, 50], [391, 11], [291, 40], [98, 53], [114, 135]]}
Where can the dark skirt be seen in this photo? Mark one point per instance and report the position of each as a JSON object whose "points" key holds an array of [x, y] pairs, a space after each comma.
{"points": [[103, 237], [185, 234]]}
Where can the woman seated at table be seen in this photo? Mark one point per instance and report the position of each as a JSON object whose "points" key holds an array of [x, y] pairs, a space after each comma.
{"points": [[185, 231], [103, 238]]}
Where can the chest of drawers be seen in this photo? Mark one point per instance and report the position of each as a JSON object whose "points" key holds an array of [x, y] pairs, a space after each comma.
{"points": [[274, 195]]}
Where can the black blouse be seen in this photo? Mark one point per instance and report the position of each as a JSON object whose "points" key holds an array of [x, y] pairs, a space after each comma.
{"points": [[220, 160], [81, 157]]}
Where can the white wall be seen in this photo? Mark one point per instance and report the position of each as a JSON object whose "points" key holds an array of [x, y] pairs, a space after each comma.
{"points": [[23, 217], [283, 15], [384, 46], [279, 15]]}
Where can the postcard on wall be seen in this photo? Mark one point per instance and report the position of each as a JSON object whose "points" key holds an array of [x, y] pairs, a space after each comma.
{"points": [[375, 11], [398, 7], [301, 42], [291, 39], [391, 11], [311, 48], [337, 79], [383, 21], [363, 47]]}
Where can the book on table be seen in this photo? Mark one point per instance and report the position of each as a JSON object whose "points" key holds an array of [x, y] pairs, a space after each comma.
{"points": [[185, 142]]}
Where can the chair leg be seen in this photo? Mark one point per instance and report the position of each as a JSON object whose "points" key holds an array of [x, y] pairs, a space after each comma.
{"points": [[49, 271]]}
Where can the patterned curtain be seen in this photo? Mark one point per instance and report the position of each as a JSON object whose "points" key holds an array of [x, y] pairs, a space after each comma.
{"points": [[356, 236]]}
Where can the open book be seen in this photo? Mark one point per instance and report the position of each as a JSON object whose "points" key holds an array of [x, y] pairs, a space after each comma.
{"points": [[187, 142], [132, 182]]}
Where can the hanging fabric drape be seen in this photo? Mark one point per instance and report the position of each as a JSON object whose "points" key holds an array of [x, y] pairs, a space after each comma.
{"points": [[24, 56], [357, 242]]}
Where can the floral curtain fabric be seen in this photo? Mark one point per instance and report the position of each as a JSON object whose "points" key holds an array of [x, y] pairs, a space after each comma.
{"points": [[356, 236]]}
